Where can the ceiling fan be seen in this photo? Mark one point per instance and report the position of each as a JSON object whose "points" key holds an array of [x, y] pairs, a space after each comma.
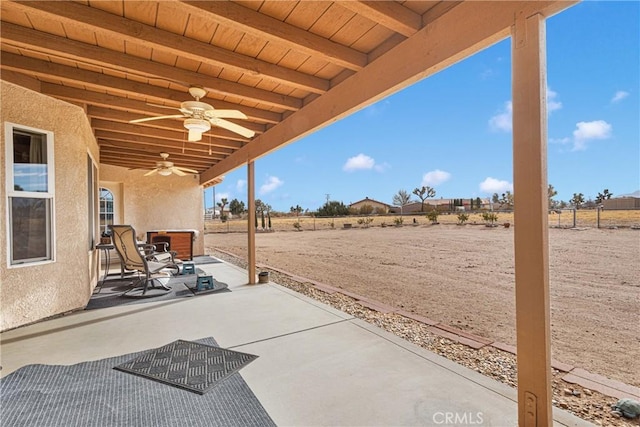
{"points": [[166, 168], [200, 116]]}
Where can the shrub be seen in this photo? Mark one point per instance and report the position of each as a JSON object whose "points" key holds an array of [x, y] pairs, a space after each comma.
{"points": [[365, 221], [297, 225], [433, 216], [366, 210], [462, 218], [489, 217], [398, 220]]}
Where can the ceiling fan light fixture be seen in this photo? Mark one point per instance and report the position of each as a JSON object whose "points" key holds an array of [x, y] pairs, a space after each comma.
{"points": [[164, 172], [196, 128]]}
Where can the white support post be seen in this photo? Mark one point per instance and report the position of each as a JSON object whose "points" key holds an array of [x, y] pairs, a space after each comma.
{"points": [[530, 217], [251, 230]]}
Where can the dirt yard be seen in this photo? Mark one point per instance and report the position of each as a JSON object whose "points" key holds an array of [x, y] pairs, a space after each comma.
{"points": [[464, 276]]}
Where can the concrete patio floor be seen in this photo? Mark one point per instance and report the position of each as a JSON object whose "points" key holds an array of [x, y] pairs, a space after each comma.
{"points": [[317, 365]]}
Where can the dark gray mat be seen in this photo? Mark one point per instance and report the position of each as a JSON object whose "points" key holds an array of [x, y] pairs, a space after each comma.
{"points": [[110, 293], [190, 365], [205, 259], [95, 394]]}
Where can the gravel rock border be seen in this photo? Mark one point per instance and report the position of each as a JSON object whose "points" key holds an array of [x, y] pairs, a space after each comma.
{"points": [[489, 361]]}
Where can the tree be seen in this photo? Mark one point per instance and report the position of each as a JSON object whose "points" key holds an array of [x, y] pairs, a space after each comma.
{"points": [[478, 202], [333, 208], [495, 198], [605, 195], [260, 206], [551, 193], [366, 209], [506, 199], [401, 198], [221, 204], [424, 193], [297, 209], [577, 200], [236, 207]]}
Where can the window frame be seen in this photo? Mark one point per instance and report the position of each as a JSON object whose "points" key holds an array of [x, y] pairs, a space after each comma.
{"points": [[105, 212], [11, 193], [93, 201]]}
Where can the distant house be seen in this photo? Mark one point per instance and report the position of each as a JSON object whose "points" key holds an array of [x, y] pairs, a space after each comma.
{"points": [[440, 204], [378, 207], [621, 203]]}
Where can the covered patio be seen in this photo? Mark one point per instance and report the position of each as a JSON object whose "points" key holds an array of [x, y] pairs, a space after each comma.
{"points": [[316, 365], [290, 68]]}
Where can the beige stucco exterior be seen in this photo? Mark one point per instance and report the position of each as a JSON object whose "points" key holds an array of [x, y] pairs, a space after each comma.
{"points": [[33, 292], [156, 202]]}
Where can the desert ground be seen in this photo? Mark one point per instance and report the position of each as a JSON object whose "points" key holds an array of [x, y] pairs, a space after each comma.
{"points": [[464, 276]]}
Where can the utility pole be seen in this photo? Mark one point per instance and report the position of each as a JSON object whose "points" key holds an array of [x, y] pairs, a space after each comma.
{"points": [[328, 195]]}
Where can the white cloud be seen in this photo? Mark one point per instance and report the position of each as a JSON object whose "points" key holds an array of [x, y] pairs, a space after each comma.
{"points": [[435, 177], [493, 185], [587, 131], [359, 162], [564, 140], [270, 184], [619, 96], [501, 122], [552, 104], [241, 184]]}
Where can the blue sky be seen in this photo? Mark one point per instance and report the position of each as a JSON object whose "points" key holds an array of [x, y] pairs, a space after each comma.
{"points": [[452, 131]]}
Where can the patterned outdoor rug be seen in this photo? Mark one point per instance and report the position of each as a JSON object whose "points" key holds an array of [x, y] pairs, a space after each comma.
{"points": [[110, 293], [95, 394], [189, 365]]}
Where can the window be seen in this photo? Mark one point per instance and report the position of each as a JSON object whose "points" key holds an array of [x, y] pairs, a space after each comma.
{"points": [[106, 209], [30, 193], [92, 187]]}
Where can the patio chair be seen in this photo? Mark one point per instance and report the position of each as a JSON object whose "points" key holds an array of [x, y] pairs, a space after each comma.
{"points": [[144, 262]]}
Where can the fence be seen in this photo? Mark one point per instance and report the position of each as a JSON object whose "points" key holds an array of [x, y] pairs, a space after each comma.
{"points": [[562, 218]]}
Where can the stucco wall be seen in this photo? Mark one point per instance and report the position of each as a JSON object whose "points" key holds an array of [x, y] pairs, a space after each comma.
{"points": [[158, 202], [31, 293]]}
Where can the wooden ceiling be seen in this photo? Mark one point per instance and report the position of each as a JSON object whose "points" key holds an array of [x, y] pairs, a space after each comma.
{"points": [[290, 66]]}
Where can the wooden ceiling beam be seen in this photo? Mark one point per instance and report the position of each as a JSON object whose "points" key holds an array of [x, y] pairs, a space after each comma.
{"points": [[83, 17], [177, 158], [145, 161], [464, 30], [172, 124], [71, 75], [163, 144], [134, 129], [189, 152], [119, 103], [389, 14], [264, 27], [27, 38]]}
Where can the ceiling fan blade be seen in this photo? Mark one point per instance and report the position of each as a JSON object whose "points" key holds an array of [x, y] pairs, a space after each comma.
{"points": [[162, 106], [185, 169], [151, 172], [247, 133], [226, 114], [148, 119], [194, 135], [177, 171]]}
